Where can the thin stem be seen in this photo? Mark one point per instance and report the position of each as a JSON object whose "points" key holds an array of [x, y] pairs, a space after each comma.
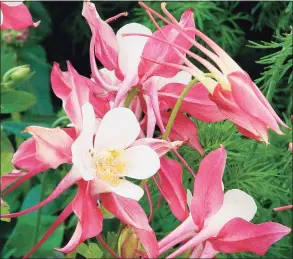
{"points": [[59, 120], [111, 19], [130, 97], [177, 107], [39, 213], [288, 207], [100, 238], [146, 187], [182, 160]]}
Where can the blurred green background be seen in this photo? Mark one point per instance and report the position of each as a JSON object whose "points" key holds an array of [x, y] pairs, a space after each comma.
{"points": [[258, 35]]}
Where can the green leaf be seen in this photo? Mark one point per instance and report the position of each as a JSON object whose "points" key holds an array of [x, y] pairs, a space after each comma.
{"points": [[23, 237], [5, 210], [91, 250], [39, 84], [16, 101], [8, 60], [39, 12], [6, 154], [6, 165]]}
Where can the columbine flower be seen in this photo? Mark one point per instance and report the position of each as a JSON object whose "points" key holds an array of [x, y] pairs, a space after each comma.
{"points": [[16, 16], [157, 88], [220, 222], [234, 93], [109, 159], [100, 165]]}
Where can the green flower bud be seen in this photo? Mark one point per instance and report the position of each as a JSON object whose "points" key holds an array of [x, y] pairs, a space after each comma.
{"points": [[107, 214], [129, 243], [16, 74]]}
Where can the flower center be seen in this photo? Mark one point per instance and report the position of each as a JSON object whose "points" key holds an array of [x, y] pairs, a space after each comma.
{"points": [[109, 166]]}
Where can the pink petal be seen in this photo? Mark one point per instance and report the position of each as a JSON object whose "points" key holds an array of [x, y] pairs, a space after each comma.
{"points": [[183, 230], [152, 88], [183, 129], [196, 103], [53, 146], [151, 118], [267, 104], [16, 17], [204, 250], [160, 146], [245, 97], [26, 158], [239, 235], [106, 45], [90, 217], [130, 212], [10, 178], [232, 111], [208, 191], [172, 187], [71, 178], [162, 52], [62, 217]]}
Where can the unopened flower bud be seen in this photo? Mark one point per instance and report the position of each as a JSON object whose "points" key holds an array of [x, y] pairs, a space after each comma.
{"points": [[129, 244], [16, 74]]}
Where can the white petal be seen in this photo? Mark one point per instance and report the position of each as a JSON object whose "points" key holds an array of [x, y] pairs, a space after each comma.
{"points": [[131, 47], [181, 77], [14, 3], [1, 15], [237, 204], [142, 162], [128, 190], [118, 130], [111, 75], [189, 198], [81, 157]]}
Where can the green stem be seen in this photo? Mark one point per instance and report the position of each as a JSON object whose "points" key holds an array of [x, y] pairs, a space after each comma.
{"points": [[130, 96], [177, 107], [40, 209], [58, 121]]}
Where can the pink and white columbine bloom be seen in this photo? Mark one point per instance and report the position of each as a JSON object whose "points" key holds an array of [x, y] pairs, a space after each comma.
{"points": [[158, 88], [109, 158], [15, 15], [100, 165], [220, 222], [234, 92]]}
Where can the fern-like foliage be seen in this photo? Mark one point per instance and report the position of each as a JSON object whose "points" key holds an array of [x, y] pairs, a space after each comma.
{"points": [[262, 171], [276, 15], [216, 19], [276, 80]]}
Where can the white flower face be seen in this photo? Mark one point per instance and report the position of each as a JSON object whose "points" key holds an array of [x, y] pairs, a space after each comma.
{"points": [[104, 156]]}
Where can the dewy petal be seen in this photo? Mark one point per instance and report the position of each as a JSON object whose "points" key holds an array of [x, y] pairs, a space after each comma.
{"points": [[81, 156], [118, 129], [237, 204], [239, 235], [128, 190], [131, 47], [142, 162]]}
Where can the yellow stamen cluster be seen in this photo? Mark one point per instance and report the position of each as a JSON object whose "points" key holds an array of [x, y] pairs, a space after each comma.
{"points": [[109, 167]]}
